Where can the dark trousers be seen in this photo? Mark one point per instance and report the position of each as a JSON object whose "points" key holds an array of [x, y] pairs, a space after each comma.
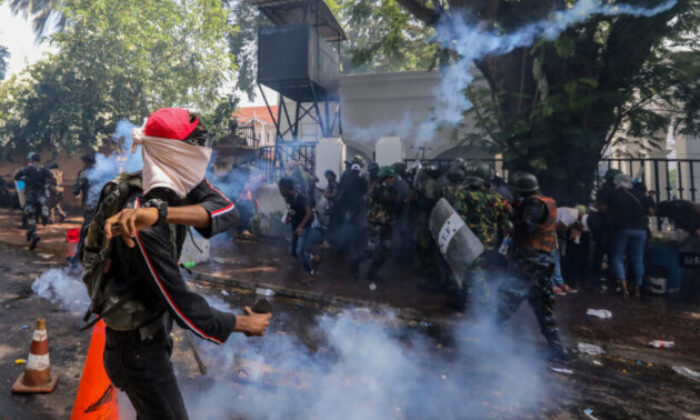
{"points": [[531, 279], [142, 369]]}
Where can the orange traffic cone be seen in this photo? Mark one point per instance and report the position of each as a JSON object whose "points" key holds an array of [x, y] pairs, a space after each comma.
{"points": [[37, 377], [97, 397]]}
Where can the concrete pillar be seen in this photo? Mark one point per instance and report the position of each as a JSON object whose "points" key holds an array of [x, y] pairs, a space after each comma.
{"points": [[330, 154], [388, 150]]}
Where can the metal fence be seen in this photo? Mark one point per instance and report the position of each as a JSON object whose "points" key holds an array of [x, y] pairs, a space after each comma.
{"points": [[666, 179], [272, 159]]}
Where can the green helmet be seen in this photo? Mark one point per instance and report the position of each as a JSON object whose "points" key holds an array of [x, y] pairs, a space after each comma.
{"points": [[386, 172], [33, 156], [357, 160], [524, 182], [456, 175], [481, 169], [459, 163]]}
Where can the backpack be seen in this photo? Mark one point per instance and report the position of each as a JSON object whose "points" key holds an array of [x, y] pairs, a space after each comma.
{"points": [[120, 311]]}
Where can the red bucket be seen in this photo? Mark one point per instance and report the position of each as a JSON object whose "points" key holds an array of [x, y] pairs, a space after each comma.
{"points": [[72, 239]]}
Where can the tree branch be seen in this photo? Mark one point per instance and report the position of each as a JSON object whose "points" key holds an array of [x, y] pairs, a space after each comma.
{"points": [[420, 11]]}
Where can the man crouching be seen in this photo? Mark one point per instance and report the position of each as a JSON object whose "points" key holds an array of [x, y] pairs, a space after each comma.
{"points": [[142, 291]]}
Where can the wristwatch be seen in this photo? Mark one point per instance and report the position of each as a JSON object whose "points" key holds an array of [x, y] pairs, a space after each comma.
{"points": [[162, 207]]}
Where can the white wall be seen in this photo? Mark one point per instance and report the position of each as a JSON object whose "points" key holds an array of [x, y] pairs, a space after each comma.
{"points": [[392, 105]]}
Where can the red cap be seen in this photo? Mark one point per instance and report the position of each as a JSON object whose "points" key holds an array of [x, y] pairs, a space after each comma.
{"points": [[170, 123]]}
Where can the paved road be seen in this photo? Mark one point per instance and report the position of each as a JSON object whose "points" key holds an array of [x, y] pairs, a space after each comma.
{"points": [[348, 363]]}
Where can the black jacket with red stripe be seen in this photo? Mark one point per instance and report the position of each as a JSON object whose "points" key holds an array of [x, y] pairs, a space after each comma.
{"points": [[150, 271]]}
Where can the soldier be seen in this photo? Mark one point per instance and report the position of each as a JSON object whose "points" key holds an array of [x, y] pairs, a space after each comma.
{"points": [[351, 205], [428, 186], [372, 171], [81, 187], [55, 193], [488, 216], [382, 210], [404, 235], [36, 180], [531, 262]]}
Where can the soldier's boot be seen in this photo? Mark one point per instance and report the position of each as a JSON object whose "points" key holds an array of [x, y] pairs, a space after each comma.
{"points": [[355, 268], [373, 273], [556, 352], [24, 224], [33, 238]]}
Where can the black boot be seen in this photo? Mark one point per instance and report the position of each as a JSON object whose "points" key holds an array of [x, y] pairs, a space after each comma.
{"points": [[556, 352], [34, 240], [355, 269]]}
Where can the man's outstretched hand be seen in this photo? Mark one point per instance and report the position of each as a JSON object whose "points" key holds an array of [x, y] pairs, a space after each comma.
{"points": [[252, 324], [129, 221]]}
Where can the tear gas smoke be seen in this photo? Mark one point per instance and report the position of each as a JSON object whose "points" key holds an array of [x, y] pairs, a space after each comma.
{"points": [[108, 167], [63, 287], [472, 43], [369, 369]]}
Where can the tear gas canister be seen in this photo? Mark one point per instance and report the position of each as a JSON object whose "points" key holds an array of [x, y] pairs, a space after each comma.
{"points": [[457, 243]]}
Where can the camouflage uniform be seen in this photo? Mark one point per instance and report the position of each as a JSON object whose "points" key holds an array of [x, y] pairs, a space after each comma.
{"points": [[36, 181], [382, 212], [488, 216], [428, 189]]}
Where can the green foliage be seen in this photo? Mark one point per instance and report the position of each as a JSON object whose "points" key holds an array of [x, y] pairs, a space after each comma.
{"points": [[117, 60], [4, 56], [42, 12], [382, 37], [244, 19]]}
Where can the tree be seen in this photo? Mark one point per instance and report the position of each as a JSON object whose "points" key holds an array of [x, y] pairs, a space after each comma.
{"points": [[4, 56], [117, 60], [552, 107], [382, 37], [41, 12]]}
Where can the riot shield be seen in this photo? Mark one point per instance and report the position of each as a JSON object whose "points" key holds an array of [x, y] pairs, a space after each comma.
{"points": [[457, 243]]}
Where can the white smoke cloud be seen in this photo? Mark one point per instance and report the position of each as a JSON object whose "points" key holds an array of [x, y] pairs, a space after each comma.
{"points": [[108, 167], [370, 369], [63, 287], [473, 43]]}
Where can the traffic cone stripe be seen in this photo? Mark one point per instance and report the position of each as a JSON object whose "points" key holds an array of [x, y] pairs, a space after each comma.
{"points": [[38, 362], [37, 375]]}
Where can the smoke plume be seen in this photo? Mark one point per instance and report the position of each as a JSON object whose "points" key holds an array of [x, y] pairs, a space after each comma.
{"points": [[369, 367], [108, 167], [63, 287], [472, 43]]}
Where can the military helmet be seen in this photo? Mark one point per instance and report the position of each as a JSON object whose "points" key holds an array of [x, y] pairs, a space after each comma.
{"points": [[386, 172], [482, 169], [432, 169], [456, 175], [524, 182], [474, 181], [34, 157], [372, 167], [357, 160], [399, 167], [459, 163]]}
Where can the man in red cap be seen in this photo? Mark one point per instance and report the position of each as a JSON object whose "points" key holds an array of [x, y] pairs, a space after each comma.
{"points": [[143, 274]]}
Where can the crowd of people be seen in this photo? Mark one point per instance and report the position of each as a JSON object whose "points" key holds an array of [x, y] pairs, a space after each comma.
{"points": [[373, 213]]}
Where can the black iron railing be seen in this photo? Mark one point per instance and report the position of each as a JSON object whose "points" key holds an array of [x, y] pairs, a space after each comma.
{"points": [[248, 135], [273, 159], [666, 179]]}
